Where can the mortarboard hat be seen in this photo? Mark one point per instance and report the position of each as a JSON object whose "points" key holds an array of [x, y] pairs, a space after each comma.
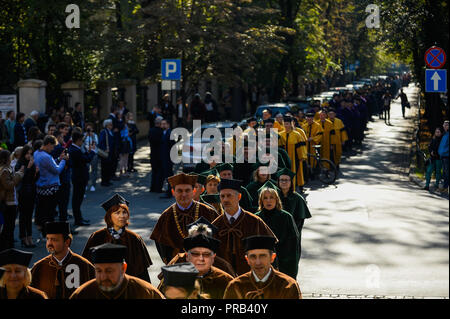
{"points": [[259, 242], [269, 121], [310, 114], [201, 179], [211, 171], [287, 118], [204, 221], [201, 241], [269, 184], [331, 109], [14, 256], [115, 200], [108, 253], [252, 119], [230, 184], [182, 178], [57, 228], [224, 167], [285, 171], [2, 271], [180, 275]]}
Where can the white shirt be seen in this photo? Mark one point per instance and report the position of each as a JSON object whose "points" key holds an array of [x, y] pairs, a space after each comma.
{"points": [[182, 208], [235, 216], [60, 262], [266, 277]]}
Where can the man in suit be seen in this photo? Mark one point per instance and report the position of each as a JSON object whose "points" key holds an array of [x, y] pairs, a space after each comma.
{"points": [[166, 146], [117, 121], [20, 133], [78, 117], [80, 174], [32, 120]]}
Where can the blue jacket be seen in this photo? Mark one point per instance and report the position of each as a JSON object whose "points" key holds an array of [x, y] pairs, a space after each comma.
{"points": [[49, 170], [443, 147]]}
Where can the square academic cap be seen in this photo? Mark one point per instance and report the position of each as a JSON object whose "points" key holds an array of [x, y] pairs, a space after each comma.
{"points": [[15, 257], [115, 200], [180, 275], [108, 253]]}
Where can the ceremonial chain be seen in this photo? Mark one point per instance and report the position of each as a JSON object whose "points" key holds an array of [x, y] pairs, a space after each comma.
{"points": [[197, 208]]}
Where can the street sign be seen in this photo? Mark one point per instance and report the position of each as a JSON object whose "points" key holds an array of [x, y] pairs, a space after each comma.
{"points": [[357, 63], [436, 81], [351, 67], [171, 69], [435, 58]]}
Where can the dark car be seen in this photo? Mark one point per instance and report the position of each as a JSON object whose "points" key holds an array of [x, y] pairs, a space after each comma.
{"points": [[276, 108]]}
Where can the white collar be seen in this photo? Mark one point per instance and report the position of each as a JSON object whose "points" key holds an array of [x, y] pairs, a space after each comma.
{"points": [[182, 208], [235, 216], [266, 277], [60, 262]]}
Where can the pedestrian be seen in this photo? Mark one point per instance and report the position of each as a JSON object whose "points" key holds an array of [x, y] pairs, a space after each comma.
{"points": [[134, 131], [262, 281], [27, 196], [283, 226], [180, 282], [48, 183], [387, 98], [111, 281], [10, 122], [117, 219], [197, 109], [91, 140], [94, 118], [63, 271], [211, 108], [16, 155], [77, 116], [167, 108], [4, 136], [9, 180], [170, 230], [117, 123], [125, 149], [20, 133], [122, 109], [314, 135], [444, 154], [79, 162], [338, 137], [236, 224], [166, 161], [434, 161], [153, 114], [106, 144], [34, 133], [63, 193], [181, 112], [293, 202], [260, 177], [155, 139], [16, 280], [32, 120]]}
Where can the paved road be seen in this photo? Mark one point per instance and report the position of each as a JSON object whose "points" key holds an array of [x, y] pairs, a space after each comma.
{"points": [[373, 233]]}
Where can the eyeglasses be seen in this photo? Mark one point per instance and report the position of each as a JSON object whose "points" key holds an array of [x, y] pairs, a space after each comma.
{"points": [[197, 254]]}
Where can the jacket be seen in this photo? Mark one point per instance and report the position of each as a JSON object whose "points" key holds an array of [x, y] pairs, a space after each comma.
{"points": [[8, 181], [49, 170], [78, 163], [443, 146]]}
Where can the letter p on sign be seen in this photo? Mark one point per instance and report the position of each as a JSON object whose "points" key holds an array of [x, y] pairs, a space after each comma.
{"points": [[171, 69]]}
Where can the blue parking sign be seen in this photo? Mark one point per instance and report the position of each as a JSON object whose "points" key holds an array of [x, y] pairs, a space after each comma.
{"points": [[435, 81], [171, 69]]}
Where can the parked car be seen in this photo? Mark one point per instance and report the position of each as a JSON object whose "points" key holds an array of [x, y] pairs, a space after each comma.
{"points": [[276, 108], [193, 148]]}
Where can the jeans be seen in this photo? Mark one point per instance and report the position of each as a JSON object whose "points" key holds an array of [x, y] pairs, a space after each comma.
{"points": [[445, 171], [63, 196], [434, 166], [79, 189], [93, 169], [26, 208]]}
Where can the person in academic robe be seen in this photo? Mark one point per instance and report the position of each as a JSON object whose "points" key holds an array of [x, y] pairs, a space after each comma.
{"points": [[15, 283], [199, 186], [327, 127], [278, 124], [283, 226], [271, 140], [260, 176], [171, 228], [338, 137], [117, 219], [236, 223], [296, 148], [268, 125], [201, 252], [111, 280], [293, 202], [63, 271], [226, 172], [180, 282], [262, 281], [314, 134], [211, 183]]}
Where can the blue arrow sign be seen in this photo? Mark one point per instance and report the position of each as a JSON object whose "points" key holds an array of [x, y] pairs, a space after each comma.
{"points": [[435, 81], [171, 69]]}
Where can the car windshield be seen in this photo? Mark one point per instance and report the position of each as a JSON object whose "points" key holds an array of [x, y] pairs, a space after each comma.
{"points": [[275, 110]]}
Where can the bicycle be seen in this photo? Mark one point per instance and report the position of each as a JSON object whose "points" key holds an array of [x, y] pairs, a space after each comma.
{"points": [[326, 169]]}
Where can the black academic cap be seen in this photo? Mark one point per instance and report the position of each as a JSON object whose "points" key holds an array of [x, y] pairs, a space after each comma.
{"points": [[269, 184], [57, 228], [115, 200], [287, 118], [201, 241], [252, 119], [259, 242], [212, 171], [2, 271], [269, 121], [310, 114], [15, 257], [204, 221], [108, 253], [224, 167], [285, 171], [331, 109], [230, 184], [180, 275], [201, 179]]}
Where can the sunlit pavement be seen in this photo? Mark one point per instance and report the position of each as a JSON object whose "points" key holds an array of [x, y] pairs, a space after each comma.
{"points": [[372, 235]]}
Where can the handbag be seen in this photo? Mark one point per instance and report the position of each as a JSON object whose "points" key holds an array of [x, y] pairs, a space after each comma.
{"points": [[408, 105], [102, 153]]}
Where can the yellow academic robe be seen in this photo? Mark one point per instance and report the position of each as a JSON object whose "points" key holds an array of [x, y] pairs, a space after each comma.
{"points": [[325, 150], [279, 126], [295, 146], [338, 137], [315, 132]]}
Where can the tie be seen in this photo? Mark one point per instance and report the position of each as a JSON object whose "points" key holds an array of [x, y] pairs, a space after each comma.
{"points": [[232, 220]]}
